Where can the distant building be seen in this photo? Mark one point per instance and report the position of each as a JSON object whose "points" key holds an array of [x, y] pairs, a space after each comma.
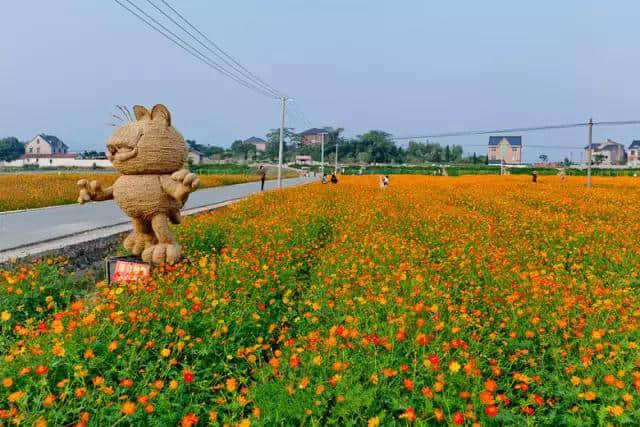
{"points": [[44, 149], [313, 136], [259, 143], [42, 144], [505, 148], [606, 153], [194, 157], [302, 159], [634, 154]]}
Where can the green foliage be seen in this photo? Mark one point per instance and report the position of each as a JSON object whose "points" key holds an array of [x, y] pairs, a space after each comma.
{"points": [[207, 150], [10, 149], [221, 169]]}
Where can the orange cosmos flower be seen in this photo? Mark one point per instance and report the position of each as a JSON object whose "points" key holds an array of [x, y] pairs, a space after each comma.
{"points": [[15, 396], [427, 392], [231, 384], [189, 420], [128, 408], [491, 410], [408, 384], [48, 400], [409, 414]]}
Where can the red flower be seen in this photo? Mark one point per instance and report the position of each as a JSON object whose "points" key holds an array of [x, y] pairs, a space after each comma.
{"points": [[294, 361], [427, 392], [528, 410], [435, 361], [538, 399], [491, 410], [408, 384], [409, 414], [422, 339], [457, 418], [41, 370], [504, 399], [188, 376]]}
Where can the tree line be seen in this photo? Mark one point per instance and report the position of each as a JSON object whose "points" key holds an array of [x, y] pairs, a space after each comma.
{"points": [[375, 146]]}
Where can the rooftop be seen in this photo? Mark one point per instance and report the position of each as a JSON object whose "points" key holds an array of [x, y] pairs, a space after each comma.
{"points": [[255, 140], [313, 131], [512, 140], [53, 140]]}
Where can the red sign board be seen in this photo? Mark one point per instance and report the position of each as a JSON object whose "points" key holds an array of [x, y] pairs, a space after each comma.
{"points": [[126, 269]]}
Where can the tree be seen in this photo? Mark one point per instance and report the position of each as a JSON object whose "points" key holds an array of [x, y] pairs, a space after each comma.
{"points": [[543, 158], [379, 146], [456, 153], [241, 148], [475, 158], [566, 161], [10, 149], [207, 150], [273, 141], [364, 157]]}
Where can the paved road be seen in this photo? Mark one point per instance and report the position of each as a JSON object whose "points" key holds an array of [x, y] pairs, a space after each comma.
{"points": [[37, 225]]}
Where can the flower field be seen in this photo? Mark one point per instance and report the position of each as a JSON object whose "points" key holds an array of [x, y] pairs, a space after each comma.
{"points": [[47, 189], [478, 300]]}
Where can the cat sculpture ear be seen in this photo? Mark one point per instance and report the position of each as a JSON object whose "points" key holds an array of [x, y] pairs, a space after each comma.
{"points": [[159, 113], [141, 112]]}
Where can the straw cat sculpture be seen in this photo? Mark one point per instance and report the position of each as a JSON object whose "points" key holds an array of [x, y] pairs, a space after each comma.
{"points": [[150, 154]]}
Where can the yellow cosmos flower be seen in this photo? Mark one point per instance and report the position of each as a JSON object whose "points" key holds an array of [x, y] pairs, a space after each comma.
{"points": [[616, 410]]}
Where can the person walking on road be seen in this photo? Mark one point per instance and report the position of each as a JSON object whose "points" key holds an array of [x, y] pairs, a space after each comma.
{"points": [[263, 176]]}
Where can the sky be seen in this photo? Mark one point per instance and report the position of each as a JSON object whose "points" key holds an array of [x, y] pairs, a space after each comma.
{"points": [[408, 67]]}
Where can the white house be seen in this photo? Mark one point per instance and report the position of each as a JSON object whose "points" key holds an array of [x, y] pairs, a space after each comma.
{"points": [[46, 150], [633, 159], [44, 145], [49, 151], [194, 157]]}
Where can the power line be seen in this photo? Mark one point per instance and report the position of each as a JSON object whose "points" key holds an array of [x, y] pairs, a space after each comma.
{"points": [[244, 71], [180, 42], [484, 132], [618, 123], [299, 112], [523, 129], [243, 74]]}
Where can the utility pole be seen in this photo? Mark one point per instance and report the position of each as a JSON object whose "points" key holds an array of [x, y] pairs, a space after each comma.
{"points": [[281, 147], [322, 154], [590, 124]]}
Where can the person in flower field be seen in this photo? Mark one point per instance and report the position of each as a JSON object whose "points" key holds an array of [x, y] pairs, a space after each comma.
{"points": [[262, 172]]}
